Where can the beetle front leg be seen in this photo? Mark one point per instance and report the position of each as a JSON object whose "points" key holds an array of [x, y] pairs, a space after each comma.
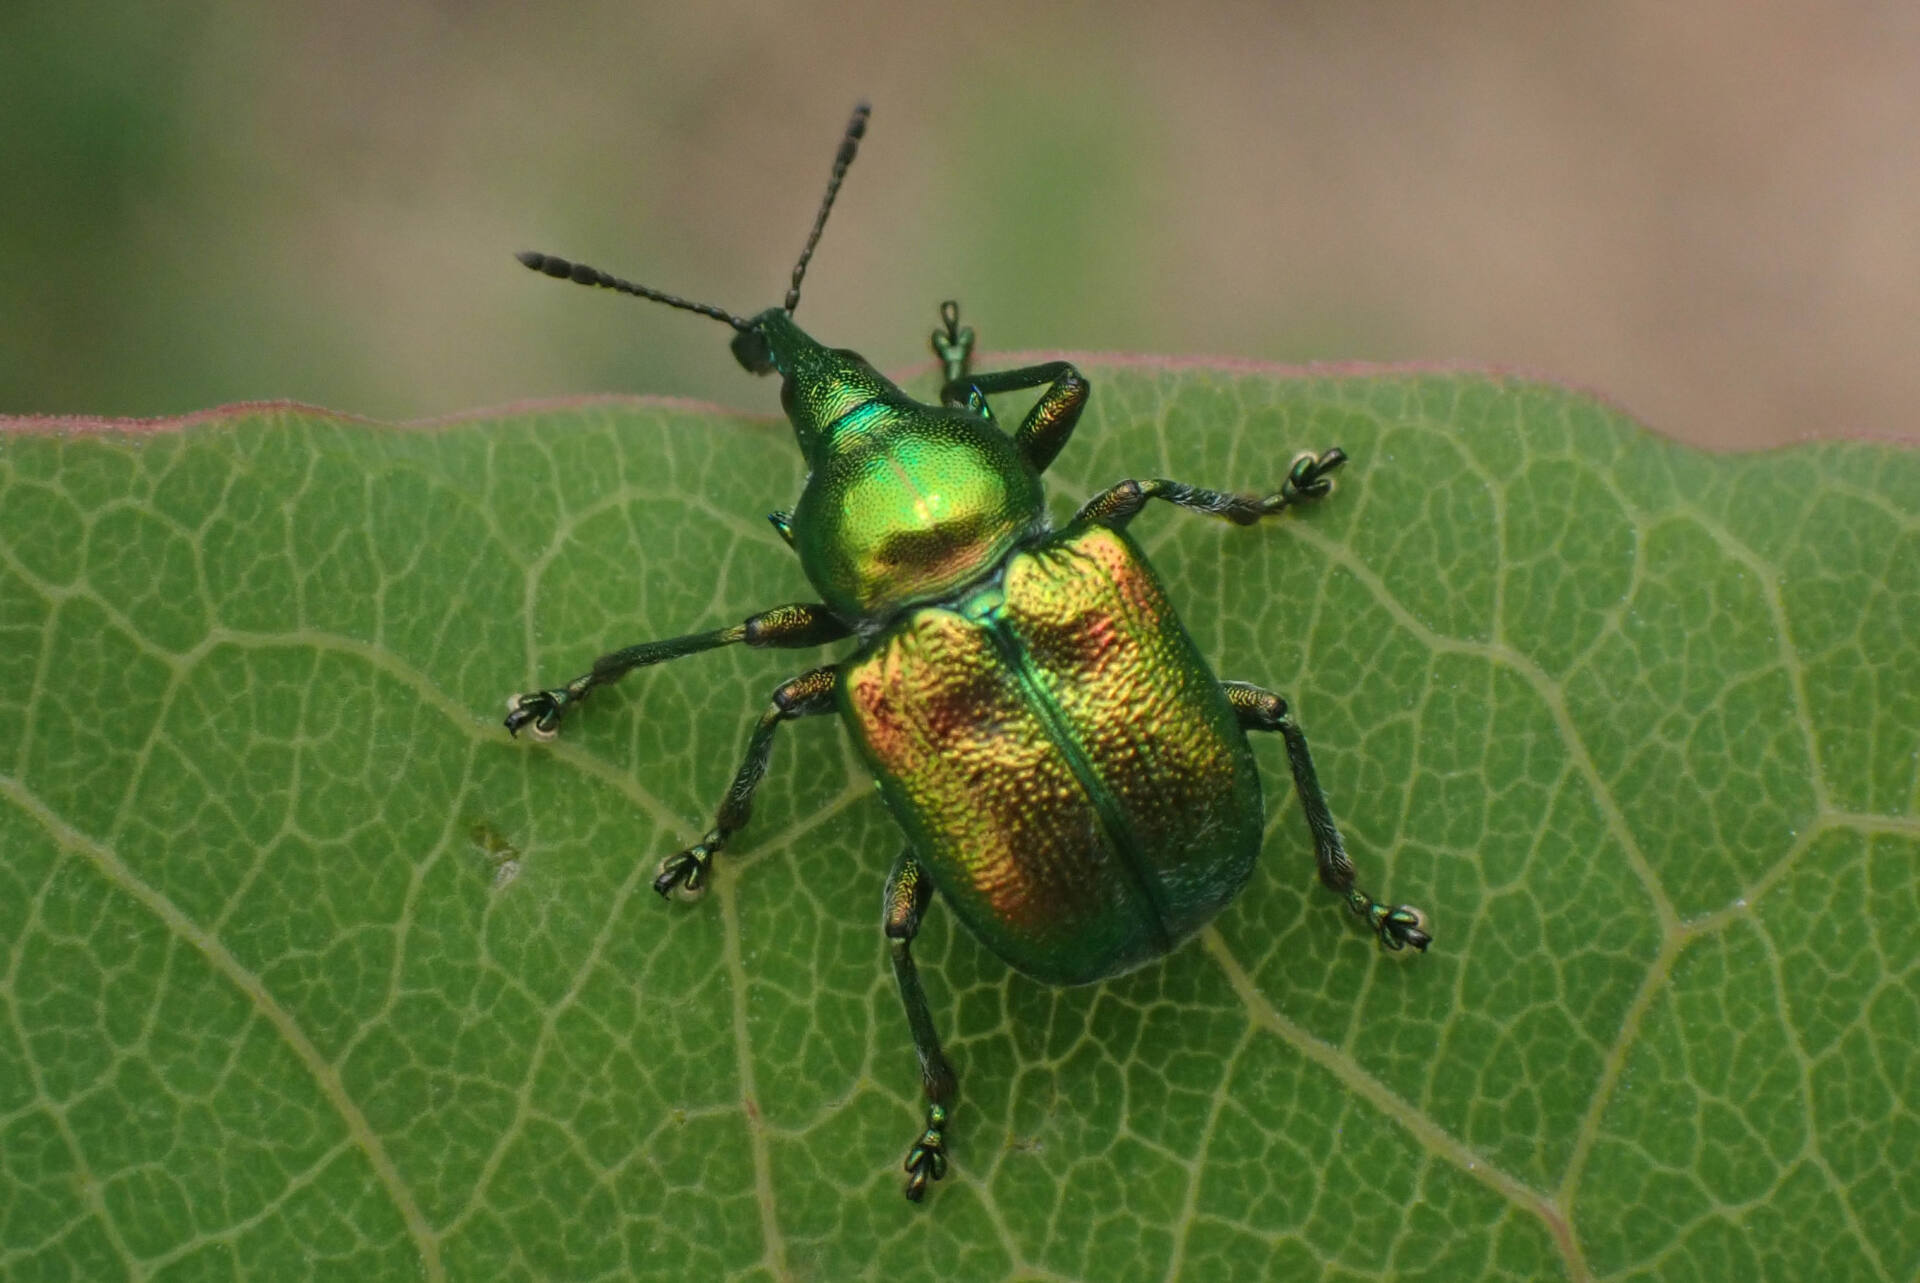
{"points": [[807, 695], [1307, 480], [783, 626], [1044, 432], [907, 895], [1262, 710]]}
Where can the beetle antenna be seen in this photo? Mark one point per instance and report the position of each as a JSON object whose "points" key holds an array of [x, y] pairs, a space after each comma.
{"points": [[584, 275], [849, 144]]}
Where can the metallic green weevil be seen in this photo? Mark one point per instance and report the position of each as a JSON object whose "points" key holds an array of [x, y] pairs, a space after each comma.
{"points": [[1072, 778]]}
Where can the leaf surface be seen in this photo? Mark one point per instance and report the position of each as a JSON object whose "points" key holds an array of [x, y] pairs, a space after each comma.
{"points": [[312, 972]]}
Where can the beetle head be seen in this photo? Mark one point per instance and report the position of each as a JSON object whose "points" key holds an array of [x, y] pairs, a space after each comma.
{"points": [[757, 343]]}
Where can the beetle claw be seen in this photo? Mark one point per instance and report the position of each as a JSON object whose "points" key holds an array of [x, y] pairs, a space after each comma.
{"points": [[952, 341], [1308, 479], [536, 710], [1402, 927], [685, 872]]}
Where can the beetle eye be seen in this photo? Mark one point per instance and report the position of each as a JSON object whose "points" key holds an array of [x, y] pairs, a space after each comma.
{"points": [[751, 350]]}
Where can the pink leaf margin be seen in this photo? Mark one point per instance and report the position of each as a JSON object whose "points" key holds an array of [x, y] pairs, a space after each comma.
{"points": [[97, 425]]}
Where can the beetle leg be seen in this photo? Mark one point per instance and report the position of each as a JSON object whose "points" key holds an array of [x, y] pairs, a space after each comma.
{"points": [[908, 892], [783, 626], [1262, 710], [808, 694], [1044, 432], [1306, 480]]}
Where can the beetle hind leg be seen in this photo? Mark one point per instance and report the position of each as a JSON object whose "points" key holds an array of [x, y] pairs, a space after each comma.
{"points": [[1399, 927], [908, 892]]}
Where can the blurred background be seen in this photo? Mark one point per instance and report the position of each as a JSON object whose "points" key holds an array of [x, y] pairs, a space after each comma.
{"points": [[1710, 212]]}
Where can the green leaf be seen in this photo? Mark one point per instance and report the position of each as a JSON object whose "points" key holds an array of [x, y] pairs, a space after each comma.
{"points": [[311, 971]]}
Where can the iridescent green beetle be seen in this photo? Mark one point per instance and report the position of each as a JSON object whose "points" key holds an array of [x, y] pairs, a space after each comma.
{"points": [[1073, 780]]}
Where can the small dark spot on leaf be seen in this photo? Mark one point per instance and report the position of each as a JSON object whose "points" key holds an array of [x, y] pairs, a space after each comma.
{"points": [[502, 858]]}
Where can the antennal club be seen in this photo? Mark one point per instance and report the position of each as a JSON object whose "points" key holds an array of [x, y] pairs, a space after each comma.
{"points": [[581, 274], [849, 145]]}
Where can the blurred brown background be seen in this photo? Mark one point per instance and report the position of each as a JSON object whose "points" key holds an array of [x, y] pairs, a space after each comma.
{"points": [[1709, 211]]}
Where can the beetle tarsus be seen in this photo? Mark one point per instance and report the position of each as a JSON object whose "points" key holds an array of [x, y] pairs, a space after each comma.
{"points": [[953, 345], [927, 1160], [1399, 927], [685, 872], [1404, 927], [540, 711], [1308, 477]]}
